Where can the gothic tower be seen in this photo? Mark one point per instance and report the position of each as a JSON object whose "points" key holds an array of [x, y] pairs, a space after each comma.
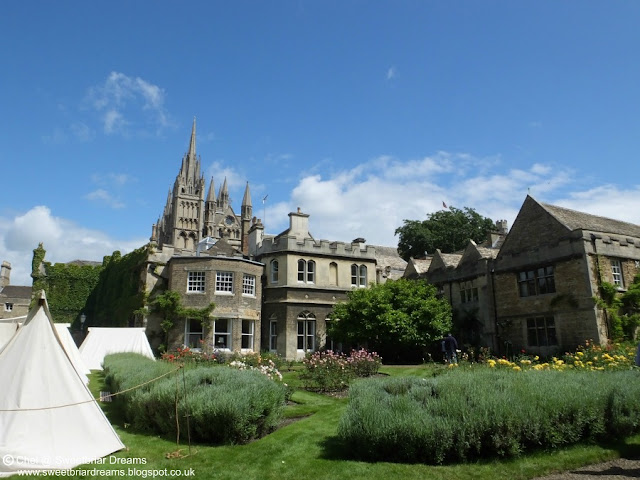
{"points": [[188, 218], [182, 221]]}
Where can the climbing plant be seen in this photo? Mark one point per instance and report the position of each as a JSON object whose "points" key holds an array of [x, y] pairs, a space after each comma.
{"points": [[119, 296], [169, 306], [66, 285], [109, 294]]}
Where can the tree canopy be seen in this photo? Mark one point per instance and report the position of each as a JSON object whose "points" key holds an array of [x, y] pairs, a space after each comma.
{"points": [[398, 319], [448, 230]]}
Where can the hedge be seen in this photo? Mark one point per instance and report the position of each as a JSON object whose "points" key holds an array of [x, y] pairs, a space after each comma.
{"points": [[464, 416], [224, 405]]}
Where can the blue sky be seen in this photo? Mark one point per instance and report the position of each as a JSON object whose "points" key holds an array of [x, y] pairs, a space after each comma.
{"points": [[360, 113]]}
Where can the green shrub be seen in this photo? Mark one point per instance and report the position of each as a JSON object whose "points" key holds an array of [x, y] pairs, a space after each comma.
{"points": [[328, 371], [224, 405], [489, 413]]}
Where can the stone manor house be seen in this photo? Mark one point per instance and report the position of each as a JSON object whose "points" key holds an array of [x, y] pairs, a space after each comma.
{"points": [[534, 287], [271, 292]]}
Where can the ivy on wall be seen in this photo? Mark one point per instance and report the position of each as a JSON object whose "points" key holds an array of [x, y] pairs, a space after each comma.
{"points": [[67, 286], [119, 295], [110, 295]]}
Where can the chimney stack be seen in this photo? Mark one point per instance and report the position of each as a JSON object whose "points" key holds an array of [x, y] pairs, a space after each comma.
{"points": [[5, 274]]}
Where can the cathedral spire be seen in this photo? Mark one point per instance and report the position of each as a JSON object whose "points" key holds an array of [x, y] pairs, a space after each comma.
{"points": [[223, 196], [246, 200], [192, 144], [211, 196], [246, 209]]}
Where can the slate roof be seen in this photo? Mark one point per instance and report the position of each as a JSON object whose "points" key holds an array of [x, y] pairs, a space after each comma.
{"points": [[451, 259], [488, 252], [389, 256], [16, 291], [575, 220], [421, 265]]}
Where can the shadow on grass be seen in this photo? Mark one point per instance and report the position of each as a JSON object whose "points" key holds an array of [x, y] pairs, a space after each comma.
{"points": [[334, 448], [627, 448]]}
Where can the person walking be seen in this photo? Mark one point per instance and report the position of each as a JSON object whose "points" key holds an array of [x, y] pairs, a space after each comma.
{"points": [[450, 348]]}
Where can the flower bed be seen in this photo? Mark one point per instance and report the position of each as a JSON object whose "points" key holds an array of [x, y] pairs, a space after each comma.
{"points": [[328, 371]]}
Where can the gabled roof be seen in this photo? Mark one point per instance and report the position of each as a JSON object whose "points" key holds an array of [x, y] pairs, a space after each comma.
{"points": [[574, 220], [417, 267], [444, 260], [451, 259], [488, 252], [16, 291], [473, 253]]}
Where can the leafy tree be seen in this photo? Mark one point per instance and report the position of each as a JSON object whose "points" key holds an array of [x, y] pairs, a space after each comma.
{"points": [[449, 230], [399, 319]]}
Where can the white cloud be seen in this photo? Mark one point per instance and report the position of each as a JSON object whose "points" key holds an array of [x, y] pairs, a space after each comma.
{"points": [[105, 197], [372, 199], [391, 73], [121, 99], [607, 201], [62, 239], [81, 131], [219, 172]]}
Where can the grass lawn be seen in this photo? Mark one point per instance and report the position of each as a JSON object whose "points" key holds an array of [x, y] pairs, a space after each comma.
{"points": [[307, 447]]}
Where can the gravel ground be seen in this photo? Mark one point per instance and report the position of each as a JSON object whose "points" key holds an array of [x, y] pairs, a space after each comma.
{"points": [[620, 469]]}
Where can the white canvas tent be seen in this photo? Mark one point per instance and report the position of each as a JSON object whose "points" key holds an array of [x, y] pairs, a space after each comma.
{"points": [[8, 328], [72, 350], [102, 341], [48, 417]]}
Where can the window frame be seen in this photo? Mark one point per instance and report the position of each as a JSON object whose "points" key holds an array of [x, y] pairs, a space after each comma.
{"points": [[273, 335], [190, 332], [274, 271], [8, 307], [306, 271], [617, 277], [224, 334], [248, 285], [311, 271], [249, 336], [546, 325], [536, 281], [468, 292], [224, 282], [359, 275], [196, 281], [307, 334]]}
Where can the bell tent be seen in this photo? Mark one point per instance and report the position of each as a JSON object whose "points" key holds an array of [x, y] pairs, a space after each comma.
{"points": [[48, 418], [101, 341]]}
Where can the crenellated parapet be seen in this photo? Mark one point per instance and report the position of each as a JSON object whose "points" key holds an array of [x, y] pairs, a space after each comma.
{"points": [[313, 247]]}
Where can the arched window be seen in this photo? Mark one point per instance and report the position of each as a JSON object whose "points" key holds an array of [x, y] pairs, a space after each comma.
{"points": [[306, 332], [306, 271], [358, 275], [363, 275], [311, 271], [274, 271]]}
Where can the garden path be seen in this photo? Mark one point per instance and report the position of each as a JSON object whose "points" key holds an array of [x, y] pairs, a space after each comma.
{"points": [[620, 469]]}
